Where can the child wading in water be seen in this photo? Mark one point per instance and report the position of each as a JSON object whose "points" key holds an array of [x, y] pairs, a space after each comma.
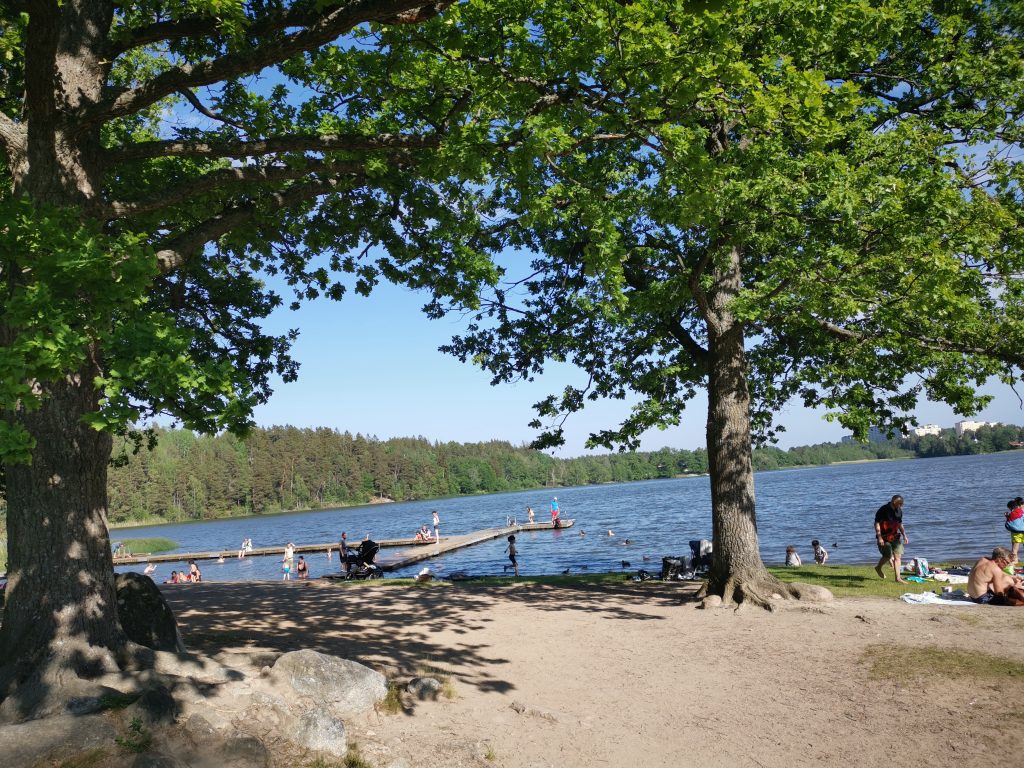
{"points": [[511, 549]]}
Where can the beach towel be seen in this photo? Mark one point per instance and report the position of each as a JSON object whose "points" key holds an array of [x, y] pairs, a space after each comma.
{"points": [[930, 598], [950, 578]]}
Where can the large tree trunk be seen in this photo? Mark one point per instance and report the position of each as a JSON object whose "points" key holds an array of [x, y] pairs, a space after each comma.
{"points": [[737, 573], [60, 616]]}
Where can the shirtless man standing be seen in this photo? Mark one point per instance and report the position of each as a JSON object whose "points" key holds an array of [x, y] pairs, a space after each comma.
{"points": [[989, 583]]}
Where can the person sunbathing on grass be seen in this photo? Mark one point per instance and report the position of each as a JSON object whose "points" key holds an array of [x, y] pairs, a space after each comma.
{"points": [[989, 583]]}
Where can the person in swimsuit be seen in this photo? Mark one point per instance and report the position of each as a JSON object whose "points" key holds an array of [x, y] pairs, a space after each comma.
{"points": [[989, 583], [511, 550], [301, 568], [194, 574]]}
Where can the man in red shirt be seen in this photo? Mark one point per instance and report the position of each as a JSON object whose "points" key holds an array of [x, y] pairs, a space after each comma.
{"points": [[890, 536]]}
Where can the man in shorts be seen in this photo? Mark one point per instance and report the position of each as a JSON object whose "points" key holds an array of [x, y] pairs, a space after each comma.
{"points": [[989, 583], [890, 536]]}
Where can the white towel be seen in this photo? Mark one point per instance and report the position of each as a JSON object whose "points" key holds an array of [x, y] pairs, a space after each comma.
{"points": [[930, 598]]}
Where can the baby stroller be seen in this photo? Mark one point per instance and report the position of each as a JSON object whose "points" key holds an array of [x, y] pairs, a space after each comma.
{"points": [[360, 561]]}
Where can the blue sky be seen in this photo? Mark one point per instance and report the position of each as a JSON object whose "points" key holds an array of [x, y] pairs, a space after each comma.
{"points": [[371, 365]]}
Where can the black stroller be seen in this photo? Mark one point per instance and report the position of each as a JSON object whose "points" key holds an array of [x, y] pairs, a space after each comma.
{"points": [[360, 561]]}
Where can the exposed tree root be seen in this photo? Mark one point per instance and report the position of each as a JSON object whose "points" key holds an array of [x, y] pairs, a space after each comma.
{"points": [[758, 589], [77, 678]]}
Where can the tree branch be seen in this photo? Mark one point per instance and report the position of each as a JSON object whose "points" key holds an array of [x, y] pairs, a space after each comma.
{"points": [[175, 253], [931, 344], [225, 177], [324, 28], [13, 135], [287, 143], [204, 110]]}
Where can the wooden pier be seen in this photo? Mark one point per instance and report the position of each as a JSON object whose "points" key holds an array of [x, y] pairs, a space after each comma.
{"points": [[413, 550], [389, 562]]}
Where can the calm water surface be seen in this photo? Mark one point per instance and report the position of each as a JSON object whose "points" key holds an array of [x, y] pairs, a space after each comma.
{"points": [[954, 509]]}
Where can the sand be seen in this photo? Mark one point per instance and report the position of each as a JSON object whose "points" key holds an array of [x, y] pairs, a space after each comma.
{"points": [[636, 675]]}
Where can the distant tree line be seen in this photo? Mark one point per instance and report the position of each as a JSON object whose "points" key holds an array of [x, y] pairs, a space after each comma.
{"points": [[188, 476]]}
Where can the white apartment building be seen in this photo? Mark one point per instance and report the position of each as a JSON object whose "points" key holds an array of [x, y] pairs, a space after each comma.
{"points": [[926, 429], [968, 425]]}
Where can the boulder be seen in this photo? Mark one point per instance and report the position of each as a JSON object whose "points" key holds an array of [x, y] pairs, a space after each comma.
{"points": [[155, 706], [342, 685], [318, 731], [145, 616], [53, 738], [811, 593], [424, 688]]}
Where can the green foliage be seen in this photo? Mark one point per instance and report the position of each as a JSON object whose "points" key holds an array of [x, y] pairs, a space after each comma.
{"points": [[190, 477], [851, 167], [136, 739]]}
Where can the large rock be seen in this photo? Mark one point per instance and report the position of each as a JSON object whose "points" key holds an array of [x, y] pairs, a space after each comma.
{"points": [[53, 739], [342, 685], [318, 731], [145, 616]]}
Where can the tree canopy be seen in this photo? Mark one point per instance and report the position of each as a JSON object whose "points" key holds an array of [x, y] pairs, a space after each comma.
{"points": [[768, 199]]}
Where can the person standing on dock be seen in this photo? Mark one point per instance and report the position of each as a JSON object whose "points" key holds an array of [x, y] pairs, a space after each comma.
{"points": [[529, 514], [437, 526], [554, 509]]}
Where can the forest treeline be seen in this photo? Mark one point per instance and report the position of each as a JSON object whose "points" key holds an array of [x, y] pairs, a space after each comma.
{"points": [[188, 476]]}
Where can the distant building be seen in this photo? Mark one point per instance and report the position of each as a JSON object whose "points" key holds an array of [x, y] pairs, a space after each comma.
{"points": [[926, 429], [968, 425]]}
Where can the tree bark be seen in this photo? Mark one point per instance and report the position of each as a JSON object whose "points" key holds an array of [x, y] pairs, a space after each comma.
{"points": [[60, 613], [737, 572]]}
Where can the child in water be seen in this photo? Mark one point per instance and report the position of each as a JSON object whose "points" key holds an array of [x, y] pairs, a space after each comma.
{"points": [[511, 549], [820, 553]]}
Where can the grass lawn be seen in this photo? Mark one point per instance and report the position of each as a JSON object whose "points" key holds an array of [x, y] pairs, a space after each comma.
{"points": [[855, 580], [842, 580], [148, 546]]}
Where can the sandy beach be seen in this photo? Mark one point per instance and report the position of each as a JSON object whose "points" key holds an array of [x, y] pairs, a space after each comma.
{"points": [[636, 675]]}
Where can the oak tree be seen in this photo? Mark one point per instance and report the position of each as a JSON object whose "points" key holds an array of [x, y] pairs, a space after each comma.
{"points": [[162, 161], [771, 200]]}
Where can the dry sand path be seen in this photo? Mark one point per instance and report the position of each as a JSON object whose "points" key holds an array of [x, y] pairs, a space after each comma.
{"points": [[635, 675]]}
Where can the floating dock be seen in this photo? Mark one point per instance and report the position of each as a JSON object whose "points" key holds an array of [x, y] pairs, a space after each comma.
{"points": [[413, 550]]}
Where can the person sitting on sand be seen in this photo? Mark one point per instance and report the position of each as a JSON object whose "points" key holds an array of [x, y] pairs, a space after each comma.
{"points": [[989, 583], [172, 579], [820, 553], [792, 558]]}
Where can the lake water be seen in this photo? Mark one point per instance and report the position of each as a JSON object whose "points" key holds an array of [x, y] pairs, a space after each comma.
{"points": [[954, 510]]}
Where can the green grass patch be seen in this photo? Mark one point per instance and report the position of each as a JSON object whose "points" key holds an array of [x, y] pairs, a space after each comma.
{"points": [[392, 701], [116, 701], [148, 546], [91, 758], [854, 580], [136, 739], [904, 663]]}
